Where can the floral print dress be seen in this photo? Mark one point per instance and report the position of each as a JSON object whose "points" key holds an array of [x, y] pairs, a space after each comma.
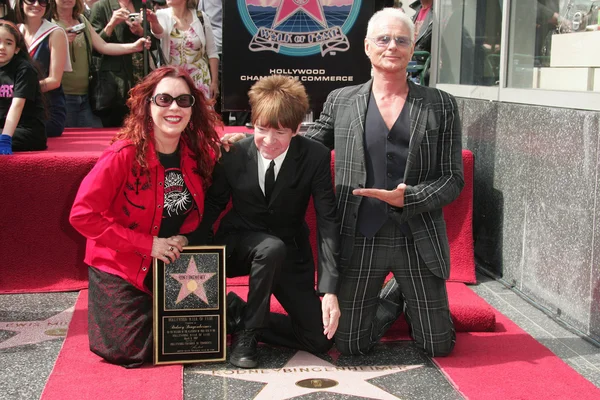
{"points": [[187, 51]]}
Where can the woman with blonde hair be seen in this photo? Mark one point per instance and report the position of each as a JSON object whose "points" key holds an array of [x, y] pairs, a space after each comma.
{"points": [[186, 39]]}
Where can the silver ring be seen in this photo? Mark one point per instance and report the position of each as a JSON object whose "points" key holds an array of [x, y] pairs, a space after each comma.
{"points": [[171, 248]]}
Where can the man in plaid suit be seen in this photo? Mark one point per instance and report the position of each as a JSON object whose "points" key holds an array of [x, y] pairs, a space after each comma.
{"points": [[398, 161]]}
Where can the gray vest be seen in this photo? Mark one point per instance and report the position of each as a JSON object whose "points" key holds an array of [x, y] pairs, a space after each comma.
{"points": [[386, 151]]}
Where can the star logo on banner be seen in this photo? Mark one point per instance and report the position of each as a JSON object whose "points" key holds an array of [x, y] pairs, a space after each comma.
{"points": [[32, 332], [321, 376], [192, 281], [287, 8]]}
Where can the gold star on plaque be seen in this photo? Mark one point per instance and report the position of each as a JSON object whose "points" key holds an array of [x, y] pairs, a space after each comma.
{"points": [[192, 281]]}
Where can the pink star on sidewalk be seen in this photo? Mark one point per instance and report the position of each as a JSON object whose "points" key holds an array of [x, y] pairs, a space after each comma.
{"points": [[32, 332], [287, 8], [282, 383], [192, 281]]}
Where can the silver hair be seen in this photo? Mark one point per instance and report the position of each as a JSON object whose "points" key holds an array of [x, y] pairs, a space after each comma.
{"points": [[395, 13]]}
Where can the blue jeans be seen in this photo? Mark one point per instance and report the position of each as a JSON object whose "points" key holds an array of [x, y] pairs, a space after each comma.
{"points": [[57, 112], [79, 112]]}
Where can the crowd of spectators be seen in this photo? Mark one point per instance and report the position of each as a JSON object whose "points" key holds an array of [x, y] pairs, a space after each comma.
{"points": [[73, 43]]}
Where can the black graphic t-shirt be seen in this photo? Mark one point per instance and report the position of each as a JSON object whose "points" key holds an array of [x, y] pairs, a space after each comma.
{"points": [[178, 200], [19, 79]]}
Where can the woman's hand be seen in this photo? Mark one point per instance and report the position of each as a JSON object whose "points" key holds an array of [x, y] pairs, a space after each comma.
{"points": [[150, 15], [119, 16], [168, 249], [229, 139], [135, 27], [214, 89], [71, 36], [139, 44]]}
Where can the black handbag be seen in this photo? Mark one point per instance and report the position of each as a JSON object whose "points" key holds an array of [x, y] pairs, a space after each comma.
{"points": [[103, 90]]}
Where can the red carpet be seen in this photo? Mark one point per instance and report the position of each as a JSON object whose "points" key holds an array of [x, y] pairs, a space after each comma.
{"points": [[509, 364], [80, 374], [470, 312], [48, 257], [506, 364], [459, 227], [41, 251]]}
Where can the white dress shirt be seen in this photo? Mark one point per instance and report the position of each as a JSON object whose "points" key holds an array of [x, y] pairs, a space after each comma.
{"points": [[263, 166]]}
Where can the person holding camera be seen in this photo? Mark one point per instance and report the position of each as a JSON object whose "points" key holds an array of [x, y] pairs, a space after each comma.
{"points": [[83, 39], [119, 21]]}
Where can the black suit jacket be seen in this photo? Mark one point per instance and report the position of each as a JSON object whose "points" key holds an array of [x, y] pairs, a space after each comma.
{"points": [[305, 171]]}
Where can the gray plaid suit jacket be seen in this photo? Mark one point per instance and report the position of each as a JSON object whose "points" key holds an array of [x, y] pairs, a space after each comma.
{"points": [[434, 169]]}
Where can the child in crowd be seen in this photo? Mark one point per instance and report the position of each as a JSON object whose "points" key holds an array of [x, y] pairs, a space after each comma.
{"points": [[21, 104]]}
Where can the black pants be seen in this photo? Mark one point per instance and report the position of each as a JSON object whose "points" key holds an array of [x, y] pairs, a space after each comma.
{"points": [[29, 139], [278, 268]]}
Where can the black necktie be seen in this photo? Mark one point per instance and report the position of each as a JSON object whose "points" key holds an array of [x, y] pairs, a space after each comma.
{"points": [[270, 180]]}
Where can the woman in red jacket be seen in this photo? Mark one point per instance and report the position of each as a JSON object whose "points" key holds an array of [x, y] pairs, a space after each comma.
{"points": [[145, 193]]}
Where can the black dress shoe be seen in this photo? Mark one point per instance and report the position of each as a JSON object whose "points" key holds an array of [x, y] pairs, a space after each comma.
{"points": [[235, 312], [243, 349]]}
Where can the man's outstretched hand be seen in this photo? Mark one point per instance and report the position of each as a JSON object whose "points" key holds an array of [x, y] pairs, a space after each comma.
{"points": [[392, 197]]}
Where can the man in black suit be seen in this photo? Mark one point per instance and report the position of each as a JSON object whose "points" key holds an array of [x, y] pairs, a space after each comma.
{"points": [[270, 178]]}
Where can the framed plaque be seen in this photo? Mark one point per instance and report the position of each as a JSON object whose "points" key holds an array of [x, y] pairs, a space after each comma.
{"points": [[189, 307]]}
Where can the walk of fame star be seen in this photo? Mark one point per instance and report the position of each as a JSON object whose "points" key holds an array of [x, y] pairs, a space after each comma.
{"points": [[192, 281], [282, 383], [287, 8], [31, 332]]}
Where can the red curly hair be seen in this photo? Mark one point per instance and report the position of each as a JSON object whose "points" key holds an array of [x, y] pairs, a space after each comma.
{"points": [[199, 135]]}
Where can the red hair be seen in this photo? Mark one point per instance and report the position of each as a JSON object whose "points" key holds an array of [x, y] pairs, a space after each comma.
{"points": [[199, 135]]}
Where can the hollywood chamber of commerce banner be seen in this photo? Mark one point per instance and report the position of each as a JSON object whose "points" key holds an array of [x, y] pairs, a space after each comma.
{"points": [[319, 42]]}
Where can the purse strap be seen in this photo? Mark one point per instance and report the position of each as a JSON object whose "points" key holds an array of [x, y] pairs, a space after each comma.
{"points": [[162, 60], [88, 44], [201, 18]]}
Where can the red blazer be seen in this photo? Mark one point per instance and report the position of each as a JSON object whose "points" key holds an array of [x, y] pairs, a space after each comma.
{"points": [[118, 208]]}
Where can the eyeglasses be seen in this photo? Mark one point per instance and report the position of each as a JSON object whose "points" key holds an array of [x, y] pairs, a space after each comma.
{"points": [[385, 40], [42, 3], [165, 100]]}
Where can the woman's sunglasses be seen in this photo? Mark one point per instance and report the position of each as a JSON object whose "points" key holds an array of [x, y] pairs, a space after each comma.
{"points": [[42, 3], [165, 100]]}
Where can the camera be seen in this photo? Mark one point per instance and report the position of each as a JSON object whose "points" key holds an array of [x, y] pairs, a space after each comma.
{"points": [[134, 17], [77, 28]]}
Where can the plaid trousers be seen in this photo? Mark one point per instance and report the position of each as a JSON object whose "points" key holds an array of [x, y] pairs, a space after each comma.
{"points": [[367, 311]]}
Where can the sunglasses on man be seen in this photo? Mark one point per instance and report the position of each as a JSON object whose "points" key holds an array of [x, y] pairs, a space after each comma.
{"points": [[385, 40]]}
